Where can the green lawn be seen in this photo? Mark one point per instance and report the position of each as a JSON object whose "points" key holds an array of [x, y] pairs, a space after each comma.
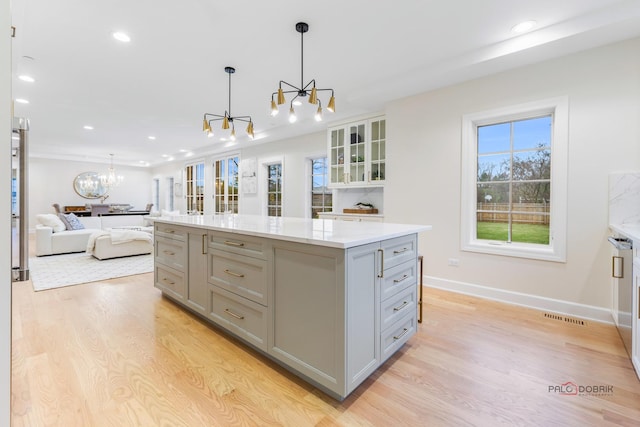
{"points": [[525, 233]]}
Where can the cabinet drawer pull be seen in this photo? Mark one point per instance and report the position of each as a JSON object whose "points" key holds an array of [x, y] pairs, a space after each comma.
{"points": [[237, 316], [404, 277], [230, 243], [403, 250], [170, 231], [404, 332], [233, 273], [404, 304], [171, 282], [169, 253]]}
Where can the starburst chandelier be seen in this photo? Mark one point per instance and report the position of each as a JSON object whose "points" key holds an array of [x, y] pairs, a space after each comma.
{"points": [[227, 119], [302, 91]]}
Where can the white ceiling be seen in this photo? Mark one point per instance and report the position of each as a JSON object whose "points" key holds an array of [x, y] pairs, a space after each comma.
{"points": [[161, 83]]}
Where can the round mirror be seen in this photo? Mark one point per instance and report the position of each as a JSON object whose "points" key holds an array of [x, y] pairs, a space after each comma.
{"points": [[88, 185]]}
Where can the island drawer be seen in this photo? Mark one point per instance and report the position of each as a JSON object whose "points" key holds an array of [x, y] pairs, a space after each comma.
{"points": [[170, 231], [172, 253], [239, 244], [397, 307], [399, 250], [398, 278], [398, 334], [242, 275], [240, 316], [170, 281]]}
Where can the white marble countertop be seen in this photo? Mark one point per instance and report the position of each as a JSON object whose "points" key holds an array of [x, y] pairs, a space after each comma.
{"points": [[323, 232], [630, 230]]}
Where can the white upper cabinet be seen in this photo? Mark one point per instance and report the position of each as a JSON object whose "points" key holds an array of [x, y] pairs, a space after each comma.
{"points": [[357, 153]]}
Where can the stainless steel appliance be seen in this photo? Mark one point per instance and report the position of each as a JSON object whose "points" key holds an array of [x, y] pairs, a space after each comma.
{"points": [[20, 174], [621, 272]]}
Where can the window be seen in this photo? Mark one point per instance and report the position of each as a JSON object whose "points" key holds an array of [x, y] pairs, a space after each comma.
{"points": [[321, 196], [274, 192], [515, 179], [194, 186], [225, 188]]}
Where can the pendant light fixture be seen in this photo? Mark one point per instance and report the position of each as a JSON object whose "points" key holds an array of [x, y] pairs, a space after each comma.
{"points": [[302, 91], [227, 118], [111, 179]]}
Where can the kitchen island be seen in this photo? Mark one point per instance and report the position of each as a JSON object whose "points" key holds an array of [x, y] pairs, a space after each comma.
{"points": [[328, 300]]}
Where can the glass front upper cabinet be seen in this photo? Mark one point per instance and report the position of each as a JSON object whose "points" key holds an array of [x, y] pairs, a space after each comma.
{"points": [[357, 154]]}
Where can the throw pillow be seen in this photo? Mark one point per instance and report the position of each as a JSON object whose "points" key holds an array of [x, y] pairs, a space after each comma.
{"points": [[74, 222], [63, 218], [51, 220]]}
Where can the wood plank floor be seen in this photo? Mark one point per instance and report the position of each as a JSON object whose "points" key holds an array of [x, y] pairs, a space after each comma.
{"points": [[116, 353]]}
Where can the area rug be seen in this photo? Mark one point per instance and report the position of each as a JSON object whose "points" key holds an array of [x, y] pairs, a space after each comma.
{"points": [[56, 271]]}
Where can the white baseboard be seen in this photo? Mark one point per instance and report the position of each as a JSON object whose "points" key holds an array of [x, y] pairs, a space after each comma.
{"points": [[589, 312]]}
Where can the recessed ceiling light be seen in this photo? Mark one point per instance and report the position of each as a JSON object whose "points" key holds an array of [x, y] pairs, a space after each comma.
{"points": [[26, 78], [165, 155], [21, 101], [523, 27], [120, 36], [87, 127], [151, 137]]}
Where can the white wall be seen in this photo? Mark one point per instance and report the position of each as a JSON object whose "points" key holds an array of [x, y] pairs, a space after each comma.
{"points": [[294, 152], [51, 181], [424, 152], [5, 222]]}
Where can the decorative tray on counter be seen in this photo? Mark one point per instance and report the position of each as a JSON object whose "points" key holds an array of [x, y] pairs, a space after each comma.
{"points": [[360, 211]]}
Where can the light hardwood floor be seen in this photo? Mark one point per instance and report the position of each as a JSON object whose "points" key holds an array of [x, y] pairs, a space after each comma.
{"points": [[116, 353]]}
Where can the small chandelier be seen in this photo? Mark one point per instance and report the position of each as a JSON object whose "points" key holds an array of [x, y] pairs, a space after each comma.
{"points": [[227, 118], [110, 179], [302, 91]]}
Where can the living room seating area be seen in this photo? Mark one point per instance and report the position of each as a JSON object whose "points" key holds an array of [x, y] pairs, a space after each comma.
{"points": [[54, 236]]}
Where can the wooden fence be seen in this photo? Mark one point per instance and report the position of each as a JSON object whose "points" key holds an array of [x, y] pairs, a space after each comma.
{"points": [[525, 213]]}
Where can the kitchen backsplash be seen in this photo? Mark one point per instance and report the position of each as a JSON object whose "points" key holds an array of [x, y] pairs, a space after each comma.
{"points": [[624, 198]]}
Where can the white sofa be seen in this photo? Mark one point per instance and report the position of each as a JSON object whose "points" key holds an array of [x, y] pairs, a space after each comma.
{"points": [[49, 242]]}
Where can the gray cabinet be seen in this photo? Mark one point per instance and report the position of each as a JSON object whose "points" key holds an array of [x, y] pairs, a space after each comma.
{"points": [[181, 265], [196, 296], [239, 277], [170, 260], [330, 315]]}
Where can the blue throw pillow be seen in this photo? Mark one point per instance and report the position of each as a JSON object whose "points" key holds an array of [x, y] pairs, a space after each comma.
{"points": [[74, 222]]}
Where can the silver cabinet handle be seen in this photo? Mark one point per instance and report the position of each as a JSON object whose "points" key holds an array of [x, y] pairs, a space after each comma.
{"points": [[229, 243], [404, 277], [204, 244], [171, 282], [617, 273], [404, 304], [381, 252], [403, 250], [237, 316], [233, 273], [170, 231], [404, 332], [169, 253]]}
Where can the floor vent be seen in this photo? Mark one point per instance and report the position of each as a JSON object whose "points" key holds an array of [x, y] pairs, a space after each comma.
{"points": [[566, 319]]}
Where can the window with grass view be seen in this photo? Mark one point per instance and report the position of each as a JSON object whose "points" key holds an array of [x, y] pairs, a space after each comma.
{"points": [[513, 186], [514, 181], [194, 186], [225, 184], [274, 192], [321, 196]]}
